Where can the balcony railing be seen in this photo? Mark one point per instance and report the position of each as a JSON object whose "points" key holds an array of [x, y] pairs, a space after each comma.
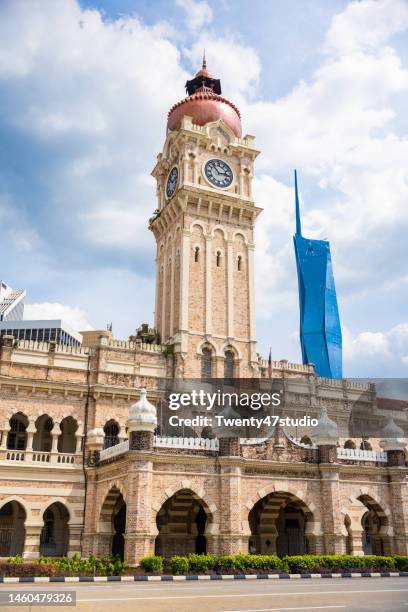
{"points": [[41, 457], [356, 454]]}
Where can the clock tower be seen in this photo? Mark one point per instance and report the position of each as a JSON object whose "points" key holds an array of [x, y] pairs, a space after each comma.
{"points": [[203, 225]]}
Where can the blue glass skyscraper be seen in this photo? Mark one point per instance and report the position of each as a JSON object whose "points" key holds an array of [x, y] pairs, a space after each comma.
{"points": [[320, 330]]}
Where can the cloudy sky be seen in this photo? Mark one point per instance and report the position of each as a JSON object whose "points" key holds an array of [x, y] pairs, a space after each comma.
{"points": [[85, 87]]}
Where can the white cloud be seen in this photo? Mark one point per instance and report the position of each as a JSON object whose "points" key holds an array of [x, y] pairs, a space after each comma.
{"points": [[381, 346], [198, 14], [74, 316], [367, 24]]}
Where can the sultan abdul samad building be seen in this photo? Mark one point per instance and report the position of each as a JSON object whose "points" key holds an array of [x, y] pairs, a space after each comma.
{"points": [[83, 469]]}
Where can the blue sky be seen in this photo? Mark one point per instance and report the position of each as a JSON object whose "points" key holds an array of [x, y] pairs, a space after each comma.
{"points": [[84, 92]]}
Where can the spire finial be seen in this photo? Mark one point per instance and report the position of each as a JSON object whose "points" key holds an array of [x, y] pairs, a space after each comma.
{"points": [[298, 225], [204, 66]]}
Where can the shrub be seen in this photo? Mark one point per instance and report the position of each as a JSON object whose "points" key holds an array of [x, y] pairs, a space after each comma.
{"points": [[337, 563], [26, 569], [401, 563], [152, 563], [198, 564], [15, 560], [178, 565]]}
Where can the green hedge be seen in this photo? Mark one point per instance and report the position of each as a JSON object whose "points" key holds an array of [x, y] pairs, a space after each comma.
{"points": [[201, 564], [338, 563], [401, 563]]}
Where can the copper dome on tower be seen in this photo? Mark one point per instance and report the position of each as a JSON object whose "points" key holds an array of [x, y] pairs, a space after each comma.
{"points": [[204, 104]]}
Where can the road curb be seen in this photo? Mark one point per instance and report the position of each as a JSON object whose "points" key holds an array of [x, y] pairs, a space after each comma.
{"points": [[73, 579]]}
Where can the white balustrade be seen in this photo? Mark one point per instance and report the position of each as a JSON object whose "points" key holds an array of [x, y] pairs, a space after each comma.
{"points": [[196, 443], [15, 455], [356, 454], [40, 457], [114, 451]]}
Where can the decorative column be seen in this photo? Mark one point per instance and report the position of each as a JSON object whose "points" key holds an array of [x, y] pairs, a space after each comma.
{"points": [[94, 445], [326, 436], [251, 289], [394, 443], [139, 538], [78, 444], [208, 285], [230, 289], [231, 540], [184, 287], [5, 432], [32, 538], [30, 431], [92, 541], [6, 350], [55, 433], [172, 272]]}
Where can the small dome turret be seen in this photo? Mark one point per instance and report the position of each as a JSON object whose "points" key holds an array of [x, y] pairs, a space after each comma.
{"points": [[142, 414], [392, 436], [326, 433]]}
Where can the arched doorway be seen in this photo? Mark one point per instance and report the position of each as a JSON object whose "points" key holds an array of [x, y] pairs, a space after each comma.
{"points": [[12, 530], [182, 522], [374, 523], [278, 525], [119, 529], [55, 532], [112, 524]]}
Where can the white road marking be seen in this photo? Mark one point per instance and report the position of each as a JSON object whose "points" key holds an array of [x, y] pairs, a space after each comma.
{"points": [[282, 609], [230, 595]]}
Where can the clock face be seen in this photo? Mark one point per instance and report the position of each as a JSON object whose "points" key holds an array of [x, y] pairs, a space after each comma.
{"points": [[218, 173], [172, 180]]}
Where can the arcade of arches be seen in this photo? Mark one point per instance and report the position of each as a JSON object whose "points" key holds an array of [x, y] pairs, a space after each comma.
{"points": [[53, 534], [280, 523]]}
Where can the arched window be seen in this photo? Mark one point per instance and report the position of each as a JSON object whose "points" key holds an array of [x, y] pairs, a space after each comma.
{"points": [[218, 259], [239, 263], [67, 439], [306, 440], [196, 253], [365, 445], [111, 430], [206, 363], [349, 444], [42, 440], [229, 365], [17, 437]]}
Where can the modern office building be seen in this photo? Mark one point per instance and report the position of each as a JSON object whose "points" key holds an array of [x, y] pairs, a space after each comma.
{"points": [[11, 302], [320, 329], [42, 331]]}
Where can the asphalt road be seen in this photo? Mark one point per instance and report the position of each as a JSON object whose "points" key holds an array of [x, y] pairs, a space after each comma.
{"points": [[382, 594]]}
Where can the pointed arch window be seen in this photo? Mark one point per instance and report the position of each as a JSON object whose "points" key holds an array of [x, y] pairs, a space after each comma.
{"points": [[206, 363], [229, 364], [17, 436], [111, 431]]}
